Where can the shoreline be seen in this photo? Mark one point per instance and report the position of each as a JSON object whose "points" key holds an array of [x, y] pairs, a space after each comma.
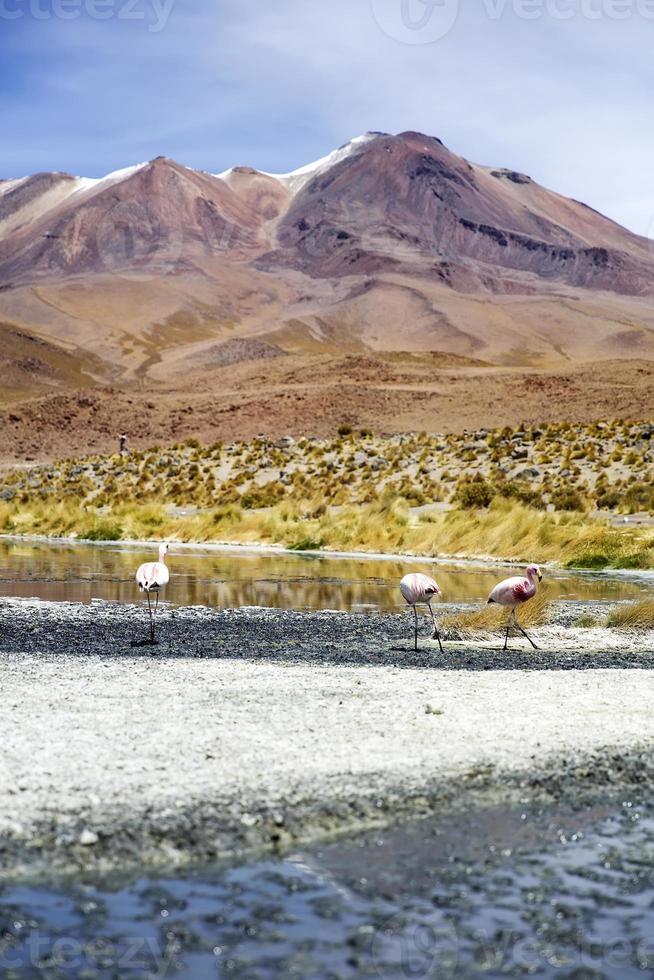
{"points": [[262, 548], [225, 831], [250, 731]]}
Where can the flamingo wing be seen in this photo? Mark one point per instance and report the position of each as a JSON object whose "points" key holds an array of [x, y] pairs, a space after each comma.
{"points": [[509, 591], [523, 590], [152, 575], [418, 587]]}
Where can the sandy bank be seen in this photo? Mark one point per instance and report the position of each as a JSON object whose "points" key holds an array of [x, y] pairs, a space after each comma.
{"points": [[251, 728]]}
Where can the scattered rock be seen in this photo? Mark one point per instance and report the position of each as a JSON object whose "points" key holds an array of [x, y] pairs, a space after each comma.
{"points": [[88, 838]]}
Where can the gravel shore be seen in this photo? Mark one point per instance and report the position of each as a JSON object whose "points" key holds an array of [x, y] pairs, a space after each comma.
{"points": [[258, 728]]}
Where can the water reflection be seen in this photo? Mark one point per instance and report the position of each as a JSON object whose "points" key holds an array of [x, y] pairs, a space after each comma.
{"points": [[561, 893], [80, 573]]}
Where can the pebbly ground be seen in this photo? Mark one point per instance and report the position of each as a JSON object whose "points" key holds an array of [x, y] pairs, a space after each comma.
{"points": [[328, 637], [259, 728]]}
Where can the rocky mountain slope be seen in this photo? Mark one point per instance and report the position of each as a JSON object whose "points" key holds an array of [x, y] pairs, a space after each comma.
{"points": [[390, 245]]}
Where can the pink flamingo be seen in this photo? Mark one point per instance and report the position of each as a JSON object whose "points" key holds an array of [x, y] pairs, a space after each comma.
{"points": [[420, 588], [151, 577], [512, 592]]}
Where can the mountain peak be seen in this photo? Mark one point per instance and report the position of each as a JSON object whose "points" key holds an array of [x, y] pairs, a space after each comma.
{"points": [[387, 242]]}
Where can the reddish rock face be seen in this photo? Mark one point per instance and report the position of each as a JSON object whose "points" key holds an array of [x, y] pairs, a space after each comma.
{"points": [[159, 215], [394, 202], [393, 243], [401, 201]]}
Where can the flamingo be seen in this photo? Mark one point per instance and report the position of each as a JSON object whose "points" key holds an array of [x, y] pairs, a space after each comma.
{"points": [[420, 588], [151, 577], [512, 592]]}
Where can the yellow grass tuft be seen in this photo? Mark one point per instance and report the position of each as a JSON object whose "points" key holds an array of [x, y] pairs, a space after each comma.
{"points": [[507, 529], [490, 619], [633, 616]]}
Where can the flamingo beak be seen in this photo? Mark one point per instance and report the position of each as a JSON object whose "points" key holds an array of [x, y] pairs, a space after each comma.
{"points": [[540, 578]]}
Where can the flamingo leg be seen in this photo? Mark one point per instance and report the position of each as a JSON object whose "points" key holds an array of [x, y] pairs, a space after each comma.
{"points": [[151, 620], [415, 613], [524, 632], [156, 606], [436, 633], [508, 626]]}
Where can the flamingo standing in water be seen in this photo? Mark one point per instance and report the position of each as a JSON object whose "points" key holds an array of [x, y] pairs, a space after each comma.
{"points": [[512, 592], [420, 588], [151, 577]]}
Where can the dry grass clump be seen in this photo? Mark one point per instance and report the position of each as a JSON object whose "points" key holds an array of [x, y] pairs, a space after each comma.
{"points": [[490, 619], [586, 622], [506, 529], [494, 471], [355, 493], [633, 616]]}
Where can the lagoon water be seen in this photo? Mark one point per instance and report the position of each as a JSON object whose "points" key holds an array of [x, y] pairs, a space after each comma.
{"points": [[492, 892], [232, 578], [502, 892]]}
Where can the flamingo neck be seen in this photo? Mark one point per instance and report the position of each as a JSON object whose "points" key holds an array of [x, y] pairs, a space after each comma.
{"points": [[162, 555]]}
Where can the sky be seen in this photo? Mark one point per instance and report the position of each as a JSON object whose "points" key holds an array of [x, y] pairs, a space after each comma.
{"points": [[562, 90]]}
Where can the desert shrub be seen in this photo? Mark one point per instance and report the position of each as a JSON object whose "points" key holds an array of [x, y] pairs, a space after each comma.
{"points": [[227, 513], [345, 429], [473, 492], [639, 496], [227, 494], [638, 559], [265, 496], [586, 622], [522, 491], [567, 498], [102, 531], [596, 547], [306, 544], [608, 499], [410, 492]]}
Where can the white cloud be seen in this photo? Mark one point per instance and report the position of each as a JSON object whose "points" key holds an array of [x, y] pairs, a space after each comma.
{"points": [[277, 84]]}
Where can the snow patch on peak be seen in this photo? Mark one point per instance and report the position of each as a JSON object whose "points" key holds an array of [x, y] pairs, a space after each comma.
{"points": [[10, 184], [99, 183], [297, 179]]}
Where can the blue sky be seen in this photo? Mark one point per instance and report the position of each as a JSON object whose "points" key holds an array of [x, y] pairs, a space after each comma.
{"points": [[559, 89]]}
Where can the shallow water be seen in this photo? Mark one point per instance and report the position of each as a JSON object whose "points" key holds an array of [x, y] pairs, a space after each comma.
{"points": [[495, 893], [80, 573]]}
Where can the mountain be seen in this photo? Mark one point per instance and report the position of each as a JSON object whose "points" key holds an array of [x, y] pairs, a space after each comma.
{"points": [[389, 246]]}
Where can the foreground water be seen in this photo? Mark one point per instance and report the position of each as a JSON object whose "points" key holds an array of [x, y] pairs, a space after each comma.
{"points": [[80, 573], [500, 892], [493, 892]]}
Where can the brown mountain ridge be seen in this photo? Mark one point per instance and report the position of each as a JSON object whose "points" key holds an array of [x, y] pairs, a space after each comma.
{"points": [[392, 247]]}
